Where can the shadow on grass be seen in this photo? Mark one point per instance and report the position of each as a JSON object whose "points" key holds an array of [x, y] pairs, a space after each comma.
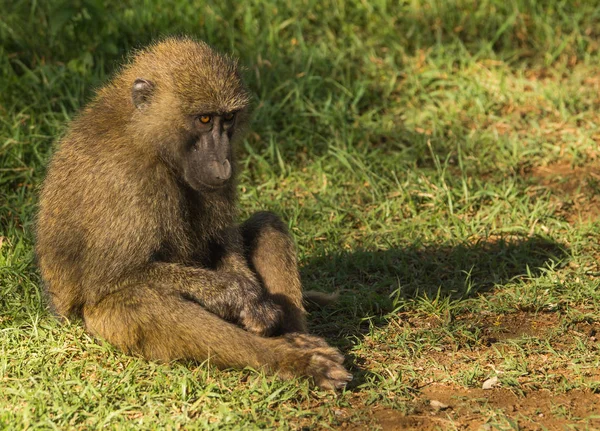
{"points": [[373, 283]]}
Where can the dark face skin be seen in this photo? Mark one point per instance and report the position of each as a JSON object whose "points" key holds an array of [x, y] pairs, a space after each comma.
{"points": [[207, 158]]}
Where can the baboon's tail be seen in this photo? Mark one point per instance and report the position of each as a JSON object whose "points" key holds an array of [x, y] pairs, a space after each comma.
{"points": [[312, 298]]}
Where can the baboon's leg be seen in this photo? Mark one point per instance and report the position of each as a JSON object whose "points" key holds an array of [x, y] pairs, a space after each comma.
{"points": [[165, 326], [271, 254]]}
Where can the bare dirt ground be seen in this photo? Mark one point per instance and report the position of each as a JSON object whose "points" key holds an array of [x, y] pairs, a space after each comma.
{"points": [[529, 411], [526, 405]]}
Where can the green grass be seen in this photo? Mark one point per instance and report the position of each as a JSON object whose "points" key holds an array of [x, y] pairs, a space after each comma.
{"points": [[436, 162]]}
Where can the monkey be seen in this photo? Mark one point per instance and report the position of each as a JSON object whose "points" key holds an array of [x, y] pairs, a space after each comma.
{"points": [[136, 232]]}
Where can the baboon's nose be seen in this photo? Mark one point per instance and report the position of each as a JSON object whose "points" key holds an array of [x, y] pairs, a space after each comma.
{"points": [[221, 170]]}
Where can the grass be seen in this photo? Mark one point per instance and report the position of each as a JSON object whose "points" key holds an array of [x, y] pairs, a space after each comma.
{"points": [[436, 161]]}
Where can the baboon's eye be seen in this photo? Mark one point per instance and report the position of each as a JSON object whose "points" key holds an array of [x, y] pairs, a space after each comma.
{"points": [[204, 119], [229, 116]]}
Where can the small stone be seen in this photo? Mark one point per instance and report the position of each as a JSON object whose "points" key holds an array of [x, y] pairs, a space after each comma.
{"points": [[490, 383], [438, 405]]}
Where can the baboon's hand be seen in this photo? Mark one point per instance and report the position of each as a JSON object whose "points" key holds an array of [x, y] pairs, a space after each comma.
{"points": [[258, 313], [312, 356], [261, 317]]}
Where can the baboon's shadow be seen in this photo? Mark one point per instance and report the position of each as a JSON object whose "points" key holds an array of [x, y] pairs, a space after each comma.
{"points": [[372, 282]]}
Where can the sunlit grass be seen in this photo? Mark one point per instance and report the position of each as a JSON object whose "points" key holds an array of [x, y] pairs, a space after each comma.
{"points": [[403, 142]]}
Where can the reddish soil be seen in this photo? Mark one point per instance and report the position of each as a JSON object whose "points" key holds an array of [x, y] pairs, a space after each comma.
{"points": [[478, 409], [467, 410]]}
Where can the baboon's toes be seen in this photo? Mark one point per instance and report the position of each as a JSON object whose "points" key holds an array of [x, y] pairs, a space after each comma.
{"points": [[307, 355], [305, 341], [327, 370]]}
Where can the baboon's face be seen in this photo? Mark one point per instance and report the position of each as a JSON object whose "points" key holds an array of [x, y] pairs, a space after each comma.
{"points": [[200, 151], [207, 155]]}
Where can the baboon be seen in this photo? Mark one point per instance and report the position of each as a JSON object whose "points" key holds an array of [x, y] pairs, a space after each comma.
{"points": [[136, 230]]}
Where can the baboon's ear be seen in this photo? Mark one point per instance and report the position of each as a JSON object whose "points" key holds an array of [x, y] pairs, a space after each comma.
{"points": [[141, 91]]}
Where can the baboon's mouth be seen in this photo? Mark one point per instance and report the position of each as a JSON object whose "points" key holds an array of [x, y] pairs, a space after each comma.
{"points": [[210, 187]]}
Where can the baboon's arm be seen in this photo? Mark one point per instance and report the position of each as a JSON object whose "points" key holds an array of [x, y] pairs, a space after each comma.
{"points": [[232, 295], [234, 260]]}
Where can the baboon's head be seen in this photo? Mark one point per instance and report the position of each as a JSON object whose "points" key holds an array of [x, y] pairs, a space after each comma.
{"points": [[190, 104]]}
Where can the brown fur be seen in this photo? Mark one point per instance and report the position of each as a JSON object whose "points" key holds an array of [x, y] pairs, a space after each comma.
{"points": [[152, 265]]}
